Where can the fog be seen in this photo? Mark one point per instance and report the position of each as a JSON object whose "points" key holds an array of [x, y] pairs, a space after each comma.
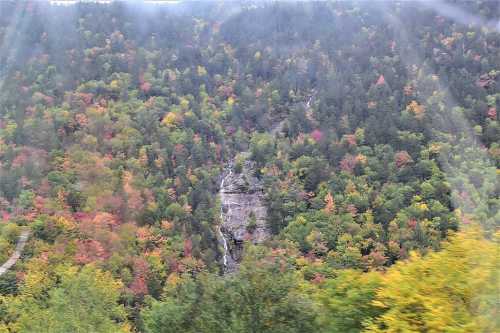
{"points": [[459, 15]]}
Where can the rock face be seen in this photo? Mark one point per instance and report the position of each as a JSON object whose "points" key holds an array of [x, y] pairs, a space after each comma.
{"points": [[23, 238], [243, 213]]}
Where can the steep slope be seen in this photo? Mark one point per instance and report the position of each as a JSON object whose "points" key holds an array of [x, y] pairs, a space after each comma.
{"points": [[243, 213]]}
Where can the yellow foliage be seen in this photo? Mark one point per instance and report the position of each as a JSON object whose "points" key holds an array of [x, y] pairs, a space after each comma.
{"points": [[184, 104], [170, 120], [435, 148], [361, 159], [143, 157], [350, 188], [115, 85], [201, 71], [173, 280], [454, 290], [422, 207], [301, 262], [37, 280], [66, 223], [193, 179]]}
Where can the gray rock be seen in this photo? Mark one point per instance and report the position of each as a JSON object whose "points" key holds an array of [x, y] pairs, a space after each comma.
{"points": [[242, 200]]}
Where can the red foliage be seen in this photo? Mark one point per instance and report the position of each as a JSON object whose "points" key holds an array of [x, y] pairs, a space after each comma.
{"points": [[352, 210], [464, 196], [141, 267], [392, 45], [111, 203], [108, 134], [44, 188], [134, 201], [86, 98], [5, 216], [20, 160], [146, 87], [105, 219], [36, 156], [81, 216], [39, 203], [412, 224], [492, 113], [188, 248], [100, 224], [81, 119], [348, 163], [88, 251], [402, 158], [139, 286], [318, 278], [317, 135], [375, 259], [380, 81], [225, 91], [39, 97]]}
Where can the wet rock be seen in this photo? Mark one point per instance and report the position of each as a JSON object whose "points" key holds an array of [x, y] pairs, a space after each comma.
{"points": [[243, 213]]}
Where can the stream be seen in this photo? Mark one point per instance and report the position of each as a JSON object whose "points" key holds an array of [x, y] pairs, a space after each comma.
{"points": [[243, 212]]}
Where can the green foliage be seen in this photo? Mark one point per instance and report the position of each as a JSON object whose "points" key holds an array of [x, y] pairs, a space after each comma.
{"points": [[372, 140], [261, 297], [347, 301], [452, 290], [81, 301], [261, 148]]}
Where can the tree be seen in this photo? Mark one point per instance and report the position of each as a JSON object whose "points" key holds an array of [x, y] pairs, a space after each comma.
{"points": [[262, 148], [347, 301], [172, 313], [454, 290], [83, 300], [263, 297]]}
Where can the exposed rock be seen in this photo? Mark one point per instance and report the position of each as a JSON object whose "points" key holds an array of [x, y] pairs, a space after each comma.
{"points": [[243, 213], [23, 238]]}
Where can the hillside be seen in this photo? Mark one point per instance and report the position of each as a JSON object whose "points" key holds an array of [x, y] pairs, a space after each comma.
{"points": [[250, 167]]}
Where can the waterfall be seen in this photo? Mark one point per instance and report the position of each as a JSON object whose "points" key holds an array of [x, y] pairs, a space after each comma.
{"points": [[224, 241], [221, 234]]}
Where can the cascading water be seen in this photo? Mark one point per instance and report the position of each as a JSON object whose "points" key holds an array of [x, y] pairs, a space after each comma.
{"points": [[242, 201], [221, 234], [224, 242]]}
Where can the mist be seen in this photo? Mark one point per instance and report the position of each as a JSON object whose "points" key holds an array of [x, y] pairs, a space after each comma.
{"points": [[459, 15]]}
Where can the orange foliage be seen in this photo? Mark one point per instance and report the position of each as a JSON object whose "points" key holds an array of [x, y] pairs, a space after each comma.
{"points": [[402, 158], [329, 204], [417, 109]]}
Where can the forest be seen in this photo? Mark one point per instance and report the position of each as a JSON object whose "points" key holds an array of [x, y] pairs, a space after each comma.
{"points": [[369, 130]]}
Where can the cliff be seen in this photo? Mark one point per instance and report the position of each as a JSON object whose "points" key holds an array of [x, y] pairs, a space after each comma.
{"points": [[243, 213]]}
